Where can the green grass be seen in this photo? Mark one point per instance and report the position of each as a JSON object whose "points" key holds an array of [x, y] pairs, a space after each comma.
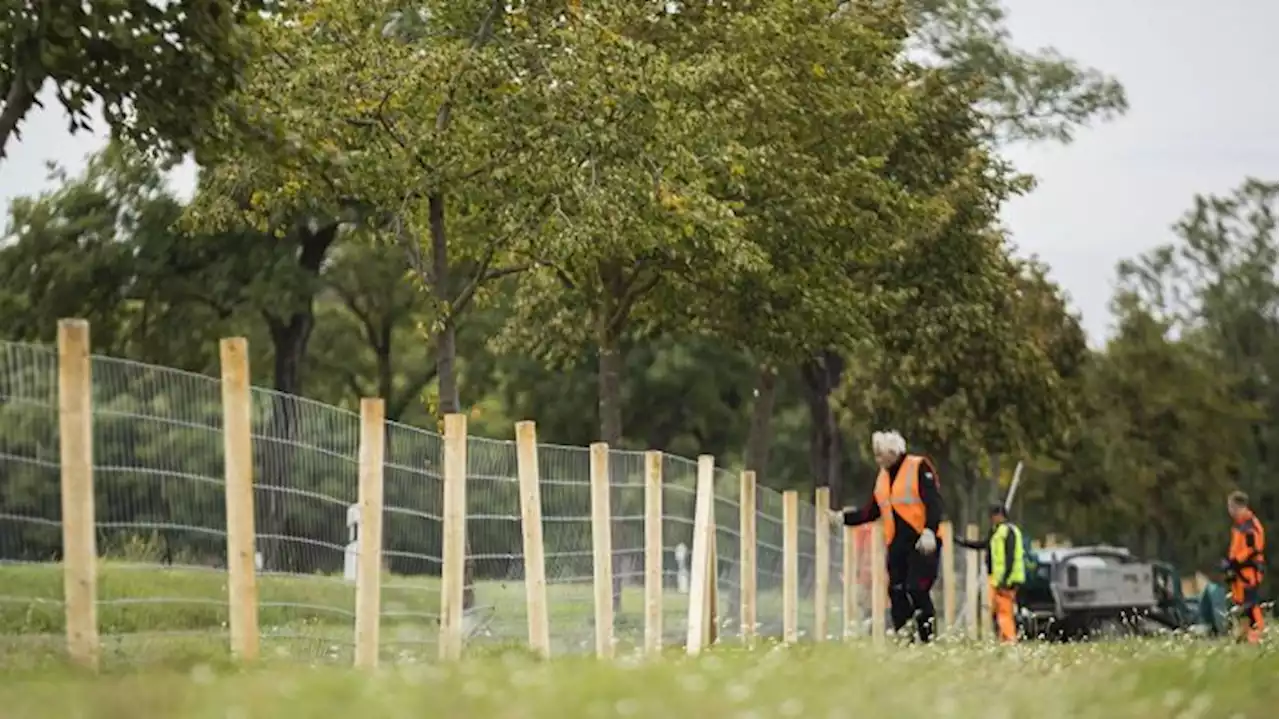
{"points": [[154, 615], [141, 598], [1138, 680], [137, 597], [169, 658]]}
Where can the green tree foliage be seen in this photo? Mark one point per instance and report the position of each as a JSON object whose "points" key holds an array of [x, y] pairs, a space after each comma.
{"points": [[1152, 464], [1021, 96], [108, 246], [100, 246], [1216, 285], [1026, 95], [156, 68], [371, 321]]}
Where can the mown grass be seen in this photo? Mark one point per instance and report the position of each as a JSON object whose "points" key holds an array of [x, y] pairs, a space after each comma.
{"points": [[1138, 680], [146, 598], [151, 615], [136, 597]]}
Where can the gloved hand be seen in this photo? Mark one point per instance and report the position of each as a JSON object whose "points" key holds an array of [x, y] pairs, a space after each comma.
{"points": [[837, 516], [928, 543]]}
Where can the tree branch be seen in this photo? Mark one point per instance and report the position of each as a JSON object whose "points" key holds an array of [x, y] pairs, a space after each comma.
{"points": [[352, 303], [483, 33], [631, 294], [413, 385], [17, 102]]}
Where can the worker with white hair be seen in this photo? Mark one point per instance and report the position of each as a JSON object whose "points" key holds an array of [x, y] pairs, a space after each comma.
{"points": [[908, 502]]}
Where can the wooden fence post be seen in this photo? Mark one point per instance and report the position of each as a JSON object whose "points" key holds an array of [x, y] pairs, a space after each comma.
{"points": [[699, 571], [879, 590], [790, 566], [79, 543], [535, 562], [747, 555], [821, 560], [373, 430], [454, 539], [237, 439], [948, 533], [653, 553], [711, 605], [973, 587], [849, 580], [602, 549]]}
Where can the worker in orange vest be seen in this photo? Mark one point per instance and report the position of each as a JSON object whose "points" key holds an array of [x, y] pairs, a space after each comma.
{"points": [[1244, 565], [908, 502]]}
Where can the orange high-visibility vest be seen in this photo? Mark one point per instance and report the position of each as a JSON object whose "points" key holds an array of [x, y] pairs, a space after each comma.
{"points": [[902, 497], [1247, 559]]}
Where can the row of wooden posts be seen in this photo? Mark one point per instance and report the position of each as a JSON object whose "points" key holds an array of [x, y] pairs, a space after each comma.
{"points": [[80, 552]]}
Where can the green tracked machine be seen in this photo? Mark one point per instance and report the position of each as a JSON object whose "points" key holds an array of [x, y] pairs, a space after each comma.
{"points": [[1080, 592], [1091, 591]]}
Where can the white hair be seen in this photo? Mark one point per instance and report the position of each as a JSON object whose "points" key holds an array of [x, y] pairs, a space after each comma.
{"points": [[888, 442]]}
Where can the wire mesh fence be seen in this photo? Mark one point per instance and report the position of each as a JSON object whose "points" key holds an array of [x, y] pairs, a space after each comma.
{"points": [[31, 606], [413, 501], [158, 449]]}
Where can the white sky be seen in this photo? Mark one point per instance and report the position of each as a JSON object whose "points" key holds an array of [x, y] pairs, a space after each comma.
{"points": [[1204, 89]]}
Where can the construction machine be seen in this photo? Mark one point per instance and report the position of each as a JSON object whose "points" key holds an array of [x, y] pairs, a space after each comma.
{"points": [[1079, 592]]}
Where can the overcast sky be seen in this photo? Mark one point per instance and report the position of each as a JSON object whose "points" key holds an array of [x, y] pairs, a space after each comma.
{"points": [[1204, 88]]}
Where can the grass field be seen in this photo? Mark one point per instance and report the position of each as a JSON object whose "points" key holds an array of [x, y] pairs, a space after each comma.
{"points": [[1138, 680], [152, 615], [165, 655]]}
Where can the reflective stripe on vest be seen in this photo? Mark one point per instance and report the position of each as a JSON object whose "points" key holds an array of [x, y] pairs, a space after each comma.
{"points": [[901, 498]]}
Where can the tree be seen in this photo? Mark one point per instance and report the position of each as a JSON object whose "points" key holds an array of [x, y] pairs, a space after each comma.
{"points": [[1148, 459], [1215, 287], [1021, 96], [1038, 95], [156, 68], [413, 137], [369, 330], [980, 365], [99, 247]]}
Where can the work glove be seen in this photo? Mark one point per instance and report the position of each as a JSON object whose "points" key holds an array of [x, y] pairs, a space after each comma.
{"points": [[837, 516], [928, 543]]}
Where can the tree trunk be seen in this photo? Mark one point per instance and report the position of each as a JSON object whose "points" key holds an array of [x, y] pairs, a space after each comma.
{"points": [[760, 434], [289, 346], [822, 376], [383, 363], [609, 389], [290, 335], [446, 352]]}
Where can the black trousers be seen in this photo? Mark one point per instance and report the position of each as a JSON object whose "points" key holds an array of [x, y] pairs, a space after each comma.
{"points": [[911, 578]]}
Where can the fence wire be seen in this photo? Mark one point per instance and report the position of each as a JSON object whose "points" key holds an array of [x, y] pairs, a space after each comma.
{"points": [[159, 506], [679, 494], [495, 606], [31, 608], [412, 537], [161, 518]]}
